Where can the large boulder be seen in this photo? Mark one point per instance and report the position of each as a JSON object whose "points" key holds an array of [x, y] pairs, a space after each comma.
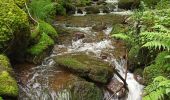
{"points": [[128, 4], [75, 88], [86, 66], [8, 84], [14, 29]]}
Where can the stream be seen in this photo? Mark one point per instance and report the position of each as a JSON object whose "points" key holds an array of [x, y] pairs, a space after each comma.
{"points": [[36, 82]]}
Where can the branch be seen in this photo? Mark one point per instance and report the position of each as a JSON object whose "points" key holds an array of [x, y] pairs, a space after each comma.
{"points": [[30, 14]]}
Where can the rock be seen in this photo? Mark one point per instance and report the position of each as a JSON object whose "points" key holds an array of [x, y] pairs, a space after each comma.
{"points": [[78, 88], [79, 35], [128, 4], [8, 84], [92, 10], [114, 86], [14, 29], [99, 27], [138, 73], [86, 66]]}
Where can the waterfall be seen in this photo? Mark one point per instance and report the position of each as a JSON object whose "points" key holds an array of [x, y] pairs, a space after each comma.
{"points": [[79, 14], [37, 86]]}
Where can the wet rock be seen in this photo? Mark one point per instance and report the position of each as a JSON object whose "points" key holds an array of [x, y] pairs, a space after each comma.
{"points": [[138, 73], [139, 79], [86, 66], [92, 10], [99, 27], [128, 4], [78, 88], [114, 86], [79, 35]]}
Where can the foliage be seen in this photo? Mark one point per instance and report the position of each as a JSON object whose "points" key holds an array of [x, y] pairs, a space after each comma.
{"points": [[157, 40], [20, 3], [44, 42], [47, 28], [159, 89], [151, 3], [12, 20], [4, 63], [1, 98], [60, 10], [8, 85], [161, 67], [43, 9]]}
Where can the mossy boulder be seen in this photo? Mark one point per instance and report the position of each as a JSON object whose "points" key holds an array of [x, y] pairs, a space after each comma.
{"points": [[14, 29], [20, 3], [128, 4], [86, 66], [8, 86], [78, 88], [92, 9], [84, 90]]}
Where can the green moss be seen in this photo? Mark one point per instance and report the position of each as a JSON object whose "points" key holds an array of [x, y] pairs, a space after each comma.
{"points": [[8, 86], [48, 29], [86, 91], [13, 25], [86, 66], [4, 63], [44, 42], [20, 3]]}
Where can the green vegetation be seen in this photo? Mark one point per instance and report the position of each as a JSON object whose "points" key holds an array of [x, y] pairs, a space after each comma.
{"points": [[159, 89], [45, 9], [8, 85], [13, 22], [43, 43], [1, 98], [43, 35], [86, 66], [148, 43]]}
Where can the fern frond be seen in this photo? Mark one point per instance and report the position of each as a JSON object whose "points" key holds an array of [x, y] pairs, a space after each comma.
{"points": [[157, 89], [157, 45], [122, 37]]}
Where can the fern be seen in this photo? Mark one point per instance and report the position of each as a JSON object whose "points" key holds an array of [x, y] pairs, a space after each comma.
{"points": [[122, 37], [159, 89], [156, 40], [42, 9]]}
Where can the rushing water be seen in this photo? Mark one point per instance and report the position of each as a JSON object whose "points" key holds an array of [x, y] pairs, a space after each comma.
{"points": [[37, 85]]}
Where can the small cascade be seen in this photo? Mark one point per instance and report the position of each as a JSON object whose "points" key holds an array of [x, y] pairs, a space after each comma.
{"points": [[112, 1], [37, 87], [79, 14], [101, 12]]}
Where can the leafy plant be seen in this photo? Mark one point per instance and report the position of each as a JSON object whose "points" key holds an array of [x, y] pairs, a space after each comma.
{"points": [[43, 9], [159, 89]]}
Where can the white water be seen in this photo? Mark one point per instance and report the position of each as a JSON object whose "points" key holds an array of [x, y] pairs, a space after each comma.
{"points": [[112, 1], [135, 89], [37, 87], [80, 14]]}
